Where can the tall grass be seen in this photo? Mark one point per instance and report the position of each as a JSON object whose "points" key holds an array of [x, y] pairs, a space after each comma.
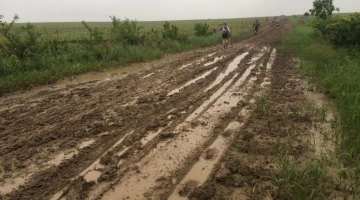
{"points": [[337, 72], [298, 183]]}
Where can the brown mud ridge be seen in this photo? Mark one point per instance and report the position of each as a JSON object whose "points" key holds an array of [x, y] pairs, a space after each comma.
{"points": [[154, 134]]}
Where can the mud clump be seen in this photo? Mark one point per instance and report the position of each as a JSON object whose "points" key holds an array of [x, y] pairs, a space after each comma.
{"points": [[205, 192], [6, 165], [145, 99], [78, 189], [188, 187], [108, 174], [210, 154], [167, 135], [223, 173], [227, 133], [108, 159], [156, 123], [248, 136], [194, 124]]}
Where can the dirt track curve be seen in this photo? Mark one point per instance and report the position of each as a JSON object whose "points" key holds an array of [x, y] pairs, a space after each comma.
{"points": [[135, 136]]}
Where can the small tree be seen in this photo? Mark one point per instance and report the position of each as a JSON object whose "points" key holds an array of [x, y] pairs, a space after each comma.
{"points": [[95, 35], [126, 31], [201, 29], [24, 42], [323, 8], [306, 14], [170, 31]]}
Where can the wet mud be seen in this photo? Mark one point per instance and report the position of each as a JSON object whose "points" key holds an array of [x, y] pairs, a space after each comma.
{"points": [[159, 130]]}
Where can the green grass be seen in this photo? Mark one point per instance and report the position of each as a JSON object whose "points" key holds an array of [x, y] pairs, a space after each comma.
{"points": [[77, 55], [337, 72], [298, 183], [75, 30], [261, 106]]}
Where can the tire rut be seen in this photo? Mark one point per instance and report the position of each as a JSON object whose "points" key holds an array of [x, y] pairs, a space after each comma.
{"points": [[132, 109]]}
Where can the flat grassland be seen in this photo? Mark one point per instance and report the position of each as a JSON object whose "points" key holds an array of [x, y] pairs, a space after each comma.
{"points": [[75, 30]]}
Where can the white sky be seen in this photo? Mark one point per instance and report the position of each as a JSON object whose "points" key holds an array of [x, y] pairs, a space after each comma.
{"points": [[148, 10]]}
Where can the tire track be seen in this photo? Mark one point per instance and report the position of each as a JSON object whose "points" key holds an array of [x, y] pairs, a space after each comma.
{"points": [[160, 163], [102, 111], [202, 169]]}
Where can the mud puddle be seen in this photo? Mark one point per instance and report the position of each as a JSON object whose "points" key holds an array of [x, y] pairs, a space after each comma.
{"points": [[219, 92], [185, 66], [168, 156], [231, 67], [271, 60], [93, 172], [216, 59], [199, 61], [150, 136], [59, 158], [212, 54], [204, 166], [202, 169], [19, 178], [204, 75], [269, 65], [148, 75]]}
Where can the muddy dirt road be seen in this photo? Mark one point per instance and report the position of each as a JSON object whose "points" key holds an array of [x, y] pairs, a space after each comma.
{"points": [[133, 136]]}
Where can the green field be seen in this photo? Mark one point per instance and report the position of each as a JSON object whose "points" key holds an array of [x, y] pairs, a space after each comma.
{"points": [[75, 30], [46, 52]]}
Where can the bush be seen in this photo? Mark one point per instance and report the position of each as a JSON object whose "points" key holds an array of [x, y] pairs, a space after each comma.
{"points": [[127, 32], [201, 29], [95, 35], [23, 43], [151, 38], [342, 31], [23, 48], [170, 31]]}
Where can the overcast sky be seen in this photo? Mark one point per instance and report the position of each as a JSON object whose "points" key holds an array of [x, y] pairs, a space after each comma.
{"points": [[148, 10]]}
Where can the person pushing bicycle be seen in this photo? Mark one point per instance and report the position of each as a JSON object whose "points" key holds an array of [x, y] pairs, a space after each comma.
{"points": [[225, 32], [256, 26]]}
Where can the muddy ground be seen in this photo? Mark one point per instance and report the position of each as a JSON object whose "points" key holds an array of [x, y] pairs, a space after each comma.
{"points": [[169, 130]]}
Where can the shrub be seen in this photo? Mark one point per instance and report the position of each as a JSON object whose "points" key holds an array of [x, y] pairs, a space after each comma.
{"points": [[23, 48], [24, 43], [342, 31], [170, 31], [95, 34], [201, 29], [151, 38], [126, 31]]}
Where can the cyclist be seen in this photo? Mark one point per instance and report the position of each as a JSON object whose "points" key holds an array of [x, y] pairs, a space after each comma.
{"points": [[225, 32]]}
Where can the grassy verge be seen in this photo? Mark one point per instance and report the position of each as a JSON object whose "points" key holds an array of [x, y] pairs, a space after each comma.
{"points": [[337, 72]]}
